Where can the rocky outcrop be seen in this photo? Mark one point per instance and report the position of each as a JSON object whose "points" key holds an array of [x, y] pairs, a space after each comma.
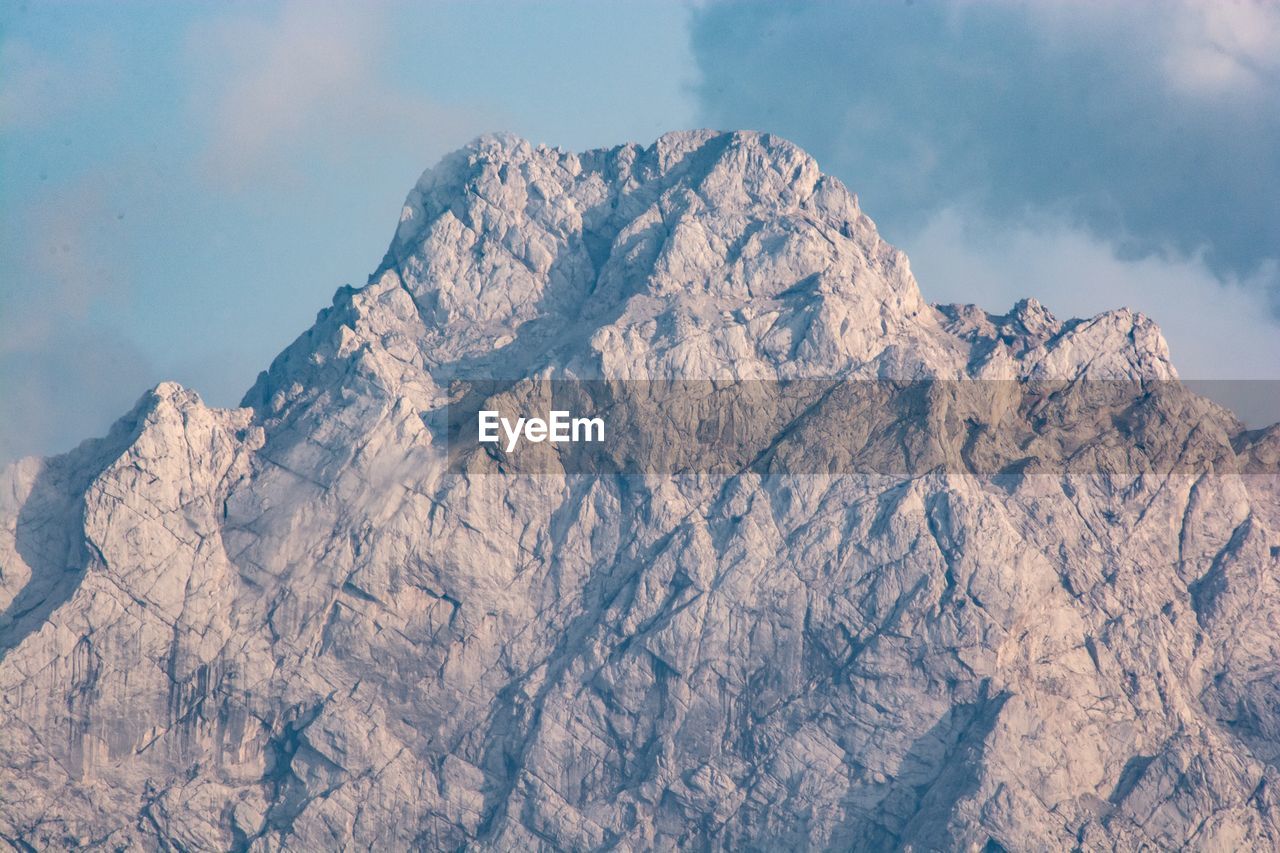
{"points": [[306, 624]]}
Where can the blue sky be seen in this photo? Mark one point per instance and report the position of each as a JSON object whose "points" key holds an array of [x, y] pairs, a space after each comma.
{"points": [[182, 186]]}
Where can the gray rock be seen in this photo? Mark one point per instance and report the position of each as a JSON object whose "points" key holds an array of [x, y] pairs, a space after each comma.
{"points": [[300, 625]]}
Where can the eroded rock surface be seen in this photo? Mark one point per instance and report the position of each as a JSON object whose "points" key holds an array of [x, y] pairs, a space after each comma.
{"points": [[295, 625]]}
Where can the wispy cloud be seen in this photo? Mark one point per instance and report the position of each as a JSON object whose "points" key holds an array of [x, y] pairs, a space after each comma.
{"points": [[66, 387], [63, 246], [310, 81], [1221, 47], [65, 376], [37, 89]]}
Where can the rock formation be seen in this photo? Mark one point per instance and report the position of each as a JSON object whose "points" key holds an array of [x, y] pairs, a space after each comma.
{"points": [[301, 625]]}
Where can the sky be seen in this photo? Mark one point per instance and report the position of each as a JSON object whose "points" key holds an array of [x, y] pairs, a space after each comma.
{"points": [[183, 186]]}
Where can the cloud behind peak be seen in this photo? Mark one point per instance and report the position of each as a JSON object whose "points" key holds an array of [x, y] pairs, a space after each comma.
{"points": [[1157, 129]]}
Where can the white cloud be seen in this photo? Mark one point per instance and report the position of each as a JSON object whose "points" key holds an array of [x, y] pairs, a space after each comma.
{"points": [[1215, 330], [1224, 46], [311, 81], [1206, 46]]}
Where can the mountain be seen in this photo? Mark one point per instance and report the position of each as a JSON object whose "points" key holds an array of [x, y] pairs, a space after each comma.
{"points": [[983, 581]]}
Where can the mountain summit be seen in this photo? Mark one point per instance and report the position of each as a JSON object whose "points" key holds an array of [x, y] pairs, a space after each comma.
{"points": [[1026, 599]]}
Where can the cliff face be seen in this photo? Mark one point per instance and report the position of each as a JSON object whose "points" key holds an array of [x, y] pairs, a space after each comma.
{"points": [[300, 624]]}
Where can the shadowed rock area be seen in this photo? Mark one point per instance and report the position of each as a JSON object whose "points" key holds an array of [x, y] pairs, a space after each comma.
{"points": [[307, 624]]}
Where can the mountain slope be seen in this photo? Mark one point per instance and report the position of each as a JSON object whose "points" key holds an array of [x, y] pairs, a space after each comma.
{"points": [[300, 624]]}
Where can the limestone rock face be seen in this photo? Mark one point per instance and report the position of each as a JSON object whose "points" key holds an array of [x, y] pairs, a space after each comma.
{"points": [[300, 625]]}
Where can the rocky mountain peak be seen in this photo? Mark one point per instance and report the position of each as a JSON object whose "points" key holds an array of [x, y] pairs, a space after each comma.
{"points": [[705, 254], [548, 231], [984, 581]]}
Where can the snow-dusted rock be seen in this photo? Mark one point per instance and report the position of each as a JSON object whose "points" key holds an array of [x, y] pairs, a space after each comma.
{"points": [[1043, 616]]}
